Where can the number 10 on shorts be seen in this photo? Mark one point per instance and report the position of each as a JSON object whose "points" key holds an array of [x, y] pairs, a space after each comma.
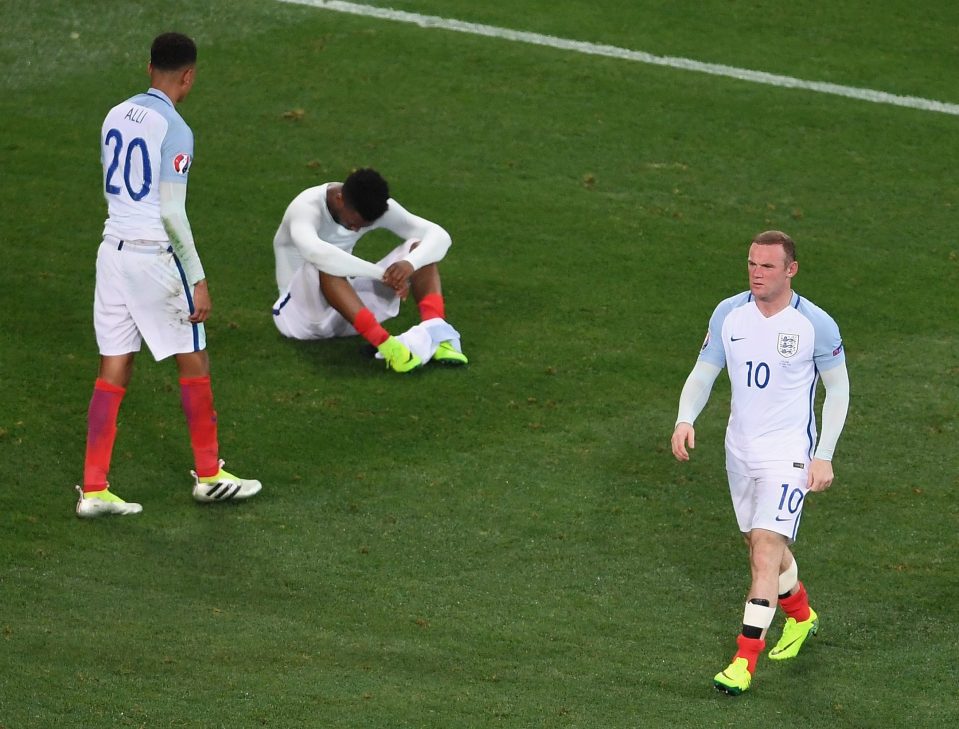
{"points": [[791, 500]]}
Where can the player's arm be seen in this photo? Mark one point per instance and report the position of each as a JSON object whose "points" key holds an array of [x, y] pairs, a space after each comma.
{"points": [[834, 409], [173, 213], [177, 225], [434, 241], [692, 400], [326, 256]]}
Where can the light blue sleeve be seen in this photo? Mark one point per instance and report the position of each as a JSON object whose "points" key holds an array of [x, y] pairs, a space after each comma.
{"points": [[828, 351], [176, 152], [712, 350]]}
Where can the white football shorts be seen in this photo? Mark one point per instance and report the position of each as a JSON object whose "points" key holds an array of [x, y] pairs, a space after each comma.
{"points": [[302, 312], [768, 495], [142, 294]]}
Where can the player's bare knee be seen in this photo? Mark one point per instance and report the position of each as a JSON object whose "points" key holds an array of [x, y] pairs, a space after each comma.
{"points": [[766, 550], [193, 364]]}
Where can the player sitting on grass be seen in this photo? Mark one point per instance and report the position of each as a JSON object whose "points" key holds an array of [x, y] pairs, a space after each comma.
{"points": [[325, 291]]}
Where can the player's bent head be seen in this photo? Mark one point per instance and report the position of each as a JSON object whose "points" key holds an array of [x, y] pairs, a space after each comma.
{"points": [[777, 238], [172, 52], [367, 193]]}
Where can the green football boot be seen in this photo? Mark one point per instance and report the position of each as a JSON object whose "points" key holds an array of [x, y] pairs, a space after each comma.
{"points": [[398, 357], [794, 635], [735, 679], [446, 355]]}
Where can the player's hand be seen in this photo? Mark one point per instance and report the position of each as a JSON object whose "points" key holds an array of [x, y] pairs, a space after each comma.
{"points": [[201, 303], [820, 475], [397, 277], [683, 435]]}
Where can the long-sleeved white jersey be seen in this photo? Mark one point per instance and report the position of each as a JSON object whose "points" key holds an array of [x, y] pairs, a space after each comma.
{"points": [[309, 234]]}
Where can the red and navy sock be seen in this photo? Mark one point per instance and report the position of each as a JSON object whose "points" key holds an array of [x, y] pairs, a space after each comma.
{"points": [[749, 648], [101, 433], [432, 306], [370, 329], [796, 606], [196, 395]]}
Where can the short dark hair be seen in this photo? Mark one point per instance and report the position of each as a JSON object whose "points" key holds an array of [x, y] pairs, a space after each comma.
{"points": [[367, 193], [777, 237], [172, 51]]}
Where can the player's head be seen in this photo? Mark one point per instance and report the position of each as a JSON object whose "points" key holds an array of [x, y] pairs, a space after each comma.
{"points": [[772, 264], [172, 52], [173, 64], [777, 238], [366, 193]]}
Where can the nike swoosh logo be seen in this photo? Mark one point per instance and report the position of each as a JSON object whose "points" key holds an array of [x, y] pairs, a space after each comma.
{"points": [[736, 339], [788, 518], [786, 647]]}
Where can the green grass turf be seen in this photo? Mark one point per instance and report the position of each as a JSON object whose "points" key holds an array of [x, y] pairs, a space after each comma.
{"points": [[510, 545]]}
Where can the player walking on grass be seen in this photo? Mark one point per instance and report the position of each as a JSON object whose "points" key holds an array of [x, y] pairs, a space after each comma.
{"points": [[775, 346], [150, 284], [326, 291]]}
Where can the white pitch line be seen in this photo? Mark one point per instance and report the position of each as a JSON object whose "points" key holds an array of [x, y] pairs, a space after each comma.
{"points": [[594, 49]]}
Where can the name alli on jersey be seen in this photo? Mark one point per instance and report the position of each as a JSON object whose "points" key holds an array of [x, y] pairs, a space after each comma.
{"points": [[137, 114]]}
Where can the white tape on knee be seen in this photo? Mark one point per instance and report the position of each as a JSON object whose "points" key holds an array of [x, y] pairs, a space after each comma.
{"points": [[789, 579]]}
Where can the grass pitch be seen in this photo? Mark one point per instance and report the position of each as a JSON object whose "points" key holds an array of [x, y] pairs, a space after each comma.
{"points": [[510, 545]]}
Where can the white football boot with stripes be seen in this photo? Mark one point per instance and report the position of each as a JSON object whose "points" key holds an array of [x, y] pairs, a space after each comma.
{"points": [[224, 487], [100, 503]]}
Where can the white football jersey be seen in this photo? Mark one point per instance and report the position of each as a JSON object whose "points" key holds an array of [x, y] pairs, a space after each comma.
{"points": [[308, 228], [143, 141], [773, 365]]}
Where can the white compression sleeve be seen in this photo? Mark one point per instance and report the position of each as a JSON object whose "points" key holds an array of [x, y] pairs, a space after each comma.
{"points": [[327, 257], [173, 214], [696, 391], [431, 249], [434, 240], [834, 408]]}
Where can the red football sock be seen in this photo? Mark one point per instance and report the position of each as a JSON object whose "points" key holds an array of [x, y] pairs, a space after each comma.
{"points": [[101, 432], [431, 306], [796, 606], [749, 648], [370, 329], [196, 395]]}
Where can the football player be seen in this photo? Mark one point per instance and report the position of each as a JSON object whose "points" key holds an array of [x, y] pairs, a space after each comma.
{"points": [[775, 346], [150, 284]]}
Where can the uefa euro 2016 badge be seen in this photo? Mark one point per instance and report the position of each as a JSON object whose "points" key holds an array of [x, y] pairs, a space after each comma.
{"points": [[181, 163], [788, 344]]}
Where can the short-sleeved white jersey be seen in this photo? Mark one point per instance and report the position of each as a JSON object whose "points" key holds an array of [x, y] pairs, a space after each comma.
{"points": [[773, 365], [143, 141]]}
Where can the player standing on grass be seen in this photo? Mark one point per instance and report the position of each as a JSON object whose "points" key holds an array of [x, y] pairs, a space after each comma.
{"points": [[775, 346], [150, 284], [326, 291]]}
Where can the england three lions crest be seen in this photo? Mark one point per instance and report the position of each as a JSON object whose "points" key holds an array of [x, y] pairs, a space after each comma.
{"points": [[788, 344]]}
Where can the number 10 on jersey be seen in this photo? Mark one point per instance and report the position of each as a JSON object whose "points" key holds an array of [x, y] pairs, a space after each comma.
{"points": [[758, 376]]}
